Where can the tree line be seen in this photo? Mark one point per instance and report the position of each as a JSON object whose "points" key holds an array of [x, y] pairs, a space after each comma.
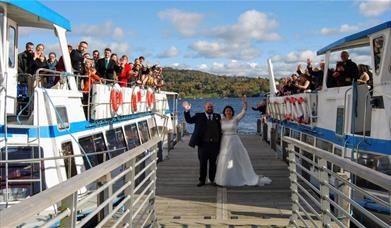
{"points": [[198, 84]]}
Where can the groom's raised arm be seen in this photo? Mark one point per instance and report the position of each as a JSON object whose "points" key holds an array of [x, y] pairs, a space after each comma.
{"points": [[189, 119]]}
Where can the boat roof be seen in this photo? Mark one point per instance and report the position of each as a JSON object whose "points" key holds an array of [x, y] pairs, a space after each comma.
{"points": [[31, 13], [355, 40]]}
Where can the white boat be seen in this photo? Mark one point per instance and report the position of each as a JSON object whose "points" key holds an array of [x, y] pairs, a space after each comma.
{"points": [[353, 122], [46, 137]]}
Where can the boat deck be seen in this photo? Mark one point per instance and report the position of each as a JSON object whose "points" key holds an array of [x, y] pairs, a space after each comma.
{"points": [[180, 203]]}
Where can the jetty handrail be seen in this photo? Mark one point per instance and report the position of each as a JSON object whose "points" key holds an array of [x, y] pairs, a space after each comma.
{"points": [[68, 189], [343, 189]]}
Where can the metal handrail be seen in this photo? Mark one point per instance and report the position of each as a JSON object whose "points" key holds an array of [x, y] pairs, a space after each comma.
{"points": [[327, 217], [377, 178], [39, 202]]}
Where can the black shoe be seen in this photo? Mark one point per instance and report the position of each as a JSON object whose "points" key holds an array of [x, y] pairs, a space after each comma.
{"points": [[200, 184]]}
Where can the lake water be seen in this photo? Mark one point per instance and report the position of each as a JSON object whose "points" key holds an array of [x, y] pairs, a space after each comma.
{"points": [[247, 125]]}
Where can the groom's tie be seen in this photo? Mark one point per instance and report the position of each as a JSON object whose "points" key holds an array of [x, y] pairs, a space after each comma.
{"points": [[210, 116]]}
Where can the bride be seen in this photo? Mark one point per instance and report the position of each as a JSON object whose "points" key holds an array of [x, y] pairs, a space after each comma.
{"points": [[234, 166]]}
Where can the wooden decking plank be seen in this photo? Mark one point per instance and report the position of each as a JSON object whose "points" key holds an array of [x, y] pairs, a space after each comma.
{"points": [[180, 203]]}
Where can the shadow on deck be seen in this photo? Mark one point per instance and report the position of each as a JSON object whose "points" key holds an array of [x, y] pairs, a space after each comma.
{"points": [[181, 204]]}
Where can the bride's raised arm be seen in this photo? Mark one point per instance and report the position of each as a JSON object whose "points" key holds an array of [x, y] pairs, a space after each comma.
{"points": [[244, 108]]}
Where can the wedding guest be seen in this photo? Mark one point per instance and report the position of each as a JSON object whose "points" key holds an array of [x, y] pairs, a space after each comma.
{"points": [[77, 58], [25, 59], [125, 74], [52, 63], [106, 67]]}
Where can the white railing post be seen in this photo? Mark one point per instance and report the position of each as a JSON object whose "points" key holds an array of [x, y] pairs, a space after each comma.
{"points": [[154, 179], [324, 192], [129, 219], [69, 203], [293, 179]]}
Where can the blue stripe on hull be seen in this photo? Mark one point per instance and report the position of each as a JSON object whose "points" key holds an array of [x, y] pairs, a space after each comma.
{"points": [[75, 127], [370, 144]]}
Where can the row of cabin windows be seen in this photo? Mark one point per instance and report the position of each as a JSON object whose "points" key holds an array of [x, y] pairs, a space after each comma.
{"points": [[118, 141]]}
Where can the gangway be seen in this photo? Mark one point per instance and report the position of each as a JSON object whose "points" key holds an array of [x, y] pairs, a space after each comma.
{"points": [[150, 195]]}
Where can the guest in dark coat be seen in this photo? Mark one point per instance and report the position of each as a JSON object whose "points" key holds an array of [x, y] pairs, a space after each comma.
{"points": [[25, 59], [106, 66], [77, 58], [207, 136]]}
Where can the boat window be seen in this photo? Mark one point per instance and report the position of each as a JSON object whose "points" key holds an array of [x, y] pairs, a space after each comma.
{"points": [[132, 136], [152, 127], [62, 118], [115, 142], [21, 171], [340, 121], [380, 163], [92, 144], [378, 49], [295, 135], [11, 47], [144, 134], [287, 131], [308, 139], [70, 166], [324, 145]]}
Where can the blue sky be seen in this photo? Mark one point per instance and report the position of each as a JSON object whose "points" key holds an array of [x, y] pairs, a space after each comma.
{"points": [[222, 37]]}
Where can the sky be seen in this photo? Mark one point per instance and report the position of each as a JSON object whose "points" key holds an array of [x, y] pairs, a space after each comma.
{"points": [[220, 37]]}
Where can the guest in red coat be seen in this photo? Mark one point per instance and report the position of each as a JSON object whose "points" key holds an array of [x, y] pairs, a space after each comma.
{"points": [[125, 73]]}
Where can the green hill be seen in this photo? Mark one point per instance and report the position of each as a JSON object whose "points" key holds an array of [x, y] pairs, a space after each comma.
{"points": [[197, 84]]}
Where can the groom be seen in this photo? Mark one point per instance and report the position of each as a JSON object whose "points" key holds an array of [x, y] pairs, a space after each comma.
{"points": [[206, 135]]}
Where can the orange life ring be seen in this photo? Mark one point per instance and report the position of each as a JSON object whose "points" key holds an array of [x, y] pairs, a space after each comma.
{"points": [[134, 102], [116, 99], [150, 98]]}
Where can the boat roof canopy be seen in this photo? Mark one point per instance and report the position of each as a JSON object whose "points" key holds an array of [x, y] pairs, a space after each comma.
{"points": [[356, 40], [31, 13]]}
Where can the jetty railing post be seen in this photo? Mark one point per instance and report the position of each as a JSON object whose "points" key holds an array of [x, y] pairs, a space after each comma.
{"points": [[324, 192], [103, 196], [293, 179], [345, 204], [154, 179], [131, 190], [69, 203], [128, 191]]}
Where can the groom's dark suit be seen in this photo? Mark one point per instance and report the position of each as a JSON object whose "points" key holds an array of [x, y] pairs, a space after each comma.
{"points": [[207, 136]]}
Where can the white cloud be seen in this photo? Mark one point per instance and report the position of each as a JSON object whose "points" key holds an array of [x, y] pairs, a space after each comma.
{"points": [[374, 7], [206, 49], [251, 25], [295, 57], [104, 30], [345, 28], [169, 53], [186, 23], [235, 40], [118, 47]]}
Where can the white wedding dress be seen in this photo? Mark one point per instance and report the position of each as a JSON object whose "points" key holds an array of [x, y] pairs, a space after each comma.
{"points": [[233, 164]]}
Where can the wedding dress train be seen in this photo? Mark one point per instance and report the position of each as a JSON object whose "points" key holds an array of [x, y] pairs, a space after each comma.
{"points": [[234, 166]]}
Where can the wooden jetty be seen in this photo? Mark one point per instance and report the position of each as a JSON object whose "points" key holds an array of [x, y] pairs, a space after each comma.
{"points": [[180, 203]]}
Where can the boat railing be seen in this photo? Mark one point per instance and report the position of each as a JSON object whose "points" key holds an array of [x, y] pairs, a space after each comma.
{"points": [[124, 198], [325, 194], [42, 76]]}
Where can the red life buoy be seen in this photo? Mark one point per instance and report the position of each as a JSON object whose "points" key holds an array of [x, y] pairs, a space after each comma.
{"points": [[134, 103], [150, 98], [116, 99], [136, 98]]}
